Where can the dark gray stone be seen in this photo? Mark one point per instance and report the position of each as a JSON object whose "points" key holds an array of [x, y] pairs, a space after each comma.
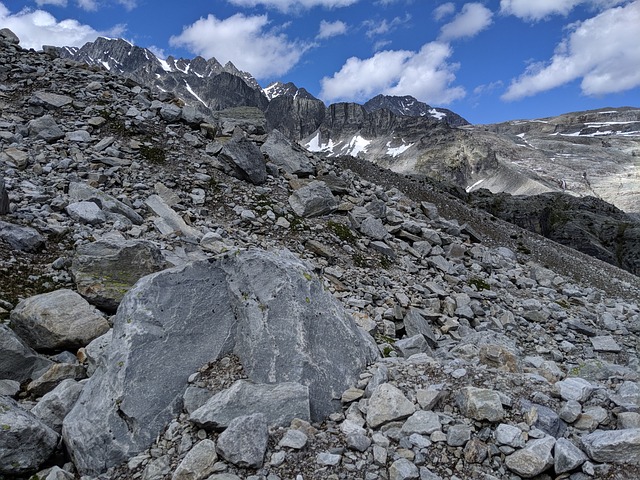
{"points": [[4, 198], [45, 128], [533, 459], [244, 442], [412, 345], [25, 441], [613, 446], [547, 420], [567, 456], [21, 238], [313, 200], [246, 159], [55, 405], [83, 192], [281, 152], [416, 324], [19, 361], [280, 403], [86, 212], [267, 308]]}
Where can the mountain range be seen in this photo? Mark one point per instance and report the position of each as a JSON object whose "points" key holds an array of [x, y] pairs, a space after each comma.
{"points": [[582, 154]]}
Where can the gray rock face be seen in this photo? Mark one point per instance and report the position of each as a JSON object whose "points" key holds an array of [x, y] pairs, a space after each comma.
{"points": [[4, 198], [280, 403], [313, 200], [387, 404], [18, 361], [281, 152], [25, 441], [105, 270], [244, 442], [480, 404], [613, 446], [86, 212], [533, 459], [45, 128], [55, 405], [264, 307], [198, 463], [246, 159], [21, 238], [57, 320], [567, 456]]}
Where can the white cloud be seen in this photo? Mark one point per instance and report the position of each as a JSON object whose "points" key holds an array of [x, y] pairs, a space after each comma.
{"points": [[331, 29], [602, 51], [88, 5], [540, 9], [35, 28], [292, 5], [444, 10], [487, 88], [244, 40], [385, 26], [473, 18], [128, 4], [424, 74], [56, 3]]}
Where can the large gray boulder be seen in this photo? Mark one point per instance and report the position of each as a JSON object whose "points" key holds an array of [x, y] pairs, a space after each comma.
{"points": [[265, 307], [25, 441], [246, 160], [105, 270], [18, 361], [55, 405], [280, 403], [244, 442], [82, 192], [281, 152], [613, 446], [313, 200], [21, 238], [57, 320], [45, 128]]}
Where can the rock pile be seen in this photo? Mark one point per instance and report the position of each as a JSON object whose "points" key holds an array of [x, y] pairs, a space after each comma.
{"points": [[252, 356]]}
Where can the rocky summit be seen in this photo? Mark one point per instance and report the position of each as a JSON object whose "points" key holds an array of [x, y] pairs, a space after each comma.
{"points": [[190, 295]]}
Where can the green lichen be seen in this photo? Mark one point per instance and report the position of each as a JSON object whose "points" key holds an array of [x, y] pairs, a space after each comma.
{"points": [[341, 231]]}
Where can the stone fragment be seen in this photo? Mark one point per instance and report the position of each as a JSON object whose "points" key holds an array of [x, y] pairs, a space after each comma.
{"points": [[280, 403], [82, 192], [52, 100], [25, 441], [78, 136], [169, 220], [458, 435], [628, 420], [269, 310], [574, 388], [105, 270], [4, 198], [412, 345], [55, 405], [54, 376], [246, 160], [605, 343], [429, 398], [388, 404], [628, 396], [480, 404], [21, 238], [422, 422], [613, 446], [533, 459], [570, 411], [198, 463], [509, 435], [546, 419], [57, 320], [295, 439], [313, 200], [358, 442], [19, 362], [170, 112], [86, 212], [94, 354], [9, 37], [45, 128], [416, 324], [403, 469], [244, 442], [373, 228], [281, 152], [567, 456], [9, 388]]}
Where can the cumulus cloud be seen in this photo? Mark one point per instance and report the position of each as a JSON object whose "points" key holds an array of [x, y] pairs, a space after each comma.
{"points": [[376, 27], [88, 5], [56, 3], [289, 5], [541, 9], [443, 11], [37, 27], [602, 51], [331, 29], [244, 40], [473, 18], [425, 74]]}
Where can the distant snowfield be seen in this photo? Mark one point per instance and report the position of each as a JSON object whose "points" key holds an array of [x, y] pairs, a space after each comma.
{"points": [[395, 151], [356, 145], [436, 114]]}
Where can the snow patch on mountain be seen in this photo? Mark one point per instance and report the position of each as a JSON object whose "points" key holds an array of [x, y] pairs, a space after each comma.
{"points": [[395, 151]]}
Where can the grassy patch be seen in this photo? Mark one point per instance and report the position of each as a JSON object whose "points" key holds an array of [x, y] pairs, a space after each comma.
{"points": [[341, 231]]}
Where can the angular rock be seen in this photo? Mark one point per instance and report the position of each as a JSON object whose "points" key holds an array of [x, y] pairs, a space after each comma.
{"points": [[169, 221], [25, 441], [295, 439], [105, 270], [55, 405], [373, 228], [281, 152], [83, 192], [10, 388], [52, 100], [45, 128], [509, 435], [412, 345], [86, 212], [533, 459], [424, 423], [605, 343], [244, 442], [403, 469], [57, 320], [246, 159], [19, 361], [613, 446], [94, 354], [313, 200], [266, 307], [416, 324], [574, 388], [280, 403], [21, 238], [57, 373], [546, 419], [388, 404], [480, 404], [458, 435], [4, 198], [567, 456], [198, 463]]}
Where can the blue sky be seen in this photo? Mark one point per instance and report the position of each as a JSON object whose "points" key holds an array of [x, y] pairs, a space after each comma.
{"points": [[489, 61]]}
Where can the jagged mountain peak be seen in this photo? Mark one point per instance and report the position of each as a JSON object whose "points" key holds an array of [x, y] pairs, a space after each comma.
{"points": [[407, 105], [289, 89]]}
